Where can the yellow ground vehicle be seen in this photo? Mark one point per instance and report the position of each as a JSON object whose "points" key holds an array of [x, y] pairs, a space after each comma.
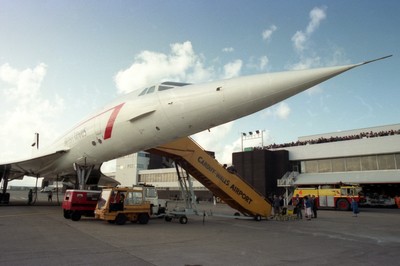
{"points": [[331, 196], [119, 205]]}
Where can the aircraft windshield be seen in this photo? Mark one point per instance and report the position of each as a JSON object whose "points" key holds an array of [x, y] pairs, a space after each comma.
{"points": [[163, 86]]}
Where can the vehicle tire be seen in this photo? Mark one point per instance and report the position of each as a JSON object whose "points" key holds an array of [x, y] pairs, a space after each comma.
{"points": [[168, 218], [342, 205], [257, 218], [67, 214], [183, 220], [121, 219], [143, 218], [161, 210], [111, 221], [76, 216]]}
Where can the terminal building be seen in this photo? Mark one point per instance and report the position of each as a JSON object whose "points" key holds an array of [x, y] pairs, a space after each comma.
{"points": [[369, 157]]}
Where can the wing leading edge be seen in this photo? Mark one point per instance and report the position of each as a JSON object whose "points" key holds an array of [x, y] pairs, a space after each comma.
{"points": [[36, 166]]}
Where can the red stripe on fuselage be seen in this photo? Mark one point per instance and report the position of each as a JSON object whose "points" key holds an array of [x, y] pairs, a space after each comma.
{"points": [[111, 120]]}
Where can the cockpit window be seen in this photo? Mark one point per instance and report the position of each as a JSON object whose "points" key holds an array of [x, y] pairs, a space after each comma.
{"points": [[143, 92], [151, 89], [163, 88], [175, 84], [148, 90]]}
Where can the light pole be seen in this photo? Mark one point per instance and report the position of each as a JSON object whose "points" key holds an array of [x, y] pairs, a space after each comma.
{"points": [[36, 141], [258, 134]]}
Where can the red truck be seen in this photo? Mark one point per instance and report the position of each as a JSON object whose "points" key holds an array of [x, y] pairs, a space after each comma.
{"points": [[79, 202]]}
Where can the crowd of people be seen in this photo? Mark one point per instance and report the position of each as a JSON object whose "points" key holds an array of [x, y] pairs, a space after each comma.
{"points": [[362, 135], [307, 203]]}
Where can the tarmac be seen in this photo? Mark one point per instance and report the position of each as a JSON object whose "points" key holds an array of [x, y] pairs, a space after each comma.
{"points": [[40, 235]]}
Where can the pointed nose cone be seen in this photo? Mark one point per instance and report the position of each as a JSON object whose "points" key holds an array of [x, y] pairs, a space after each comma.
{"points": [[246, 95]]}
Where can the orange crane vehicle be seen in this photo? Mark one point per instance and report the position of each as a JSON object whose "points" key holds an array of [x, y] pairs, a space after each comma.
{"points": [[331, 196]]}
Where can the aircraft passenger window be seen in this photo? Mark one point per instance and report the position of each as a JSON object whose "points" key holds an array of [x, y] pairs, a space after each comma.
{"points": [[143, 92], [151, 89]]}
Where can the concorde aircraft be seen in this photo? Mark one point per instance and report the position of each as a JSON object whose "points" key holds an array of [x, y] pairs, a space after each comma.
{"points": [[156, 115]]}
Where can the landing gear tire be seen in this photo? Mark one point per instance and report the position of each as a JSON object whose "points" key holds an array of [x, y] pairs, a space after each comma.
{"points": [[75, 216], [121, 219], [183, 220]]}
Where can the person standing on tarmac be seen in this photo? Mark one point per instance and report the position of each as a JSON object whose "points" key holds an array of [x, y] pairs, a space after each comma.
{"points": [[299, 207], [314, 206], [307, 204], [354, 207], [397, 201], [30, 197], [50, 196], [277, 204]]}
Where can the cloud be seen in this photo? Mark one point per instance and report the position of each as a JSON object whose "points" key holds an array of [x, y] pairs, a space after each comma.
{"points": [[27, 111], [306, 63], [257, 64], [267, 34], [24, 84], [228, 50], [151, 67], [263, 62], [316, 16], [211, 140], [300, 38], [232, 69], [282, 111], [316, 90]]}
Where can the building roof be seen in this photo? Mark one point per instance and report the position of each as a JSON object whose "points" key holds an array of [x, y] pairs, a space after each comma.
{"points": [[349, 148], [346, 133], [366, 177]]}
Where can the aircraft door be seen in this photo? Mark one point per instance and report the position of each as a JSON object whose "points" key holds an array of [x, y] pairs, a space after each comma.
{"points": [[98, 130]]}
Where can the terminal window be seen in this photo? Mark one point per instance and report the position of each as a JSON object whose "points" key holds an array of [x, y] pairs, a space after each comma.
{"points": [[359, 163]]}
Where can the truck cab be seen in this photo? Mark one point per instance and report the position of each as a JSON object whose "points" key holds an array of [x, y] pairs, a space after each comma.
{"points": [[158, 206], [119, 205]]}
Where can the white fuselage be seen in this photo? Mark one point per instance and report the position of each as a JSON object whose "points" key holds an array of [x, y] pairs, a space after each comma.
{"points": [[140, 121]]}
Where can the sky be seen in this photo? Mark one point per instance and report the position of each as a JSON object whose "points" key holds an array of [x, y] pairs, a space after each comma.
{"points": [[61, 60]]}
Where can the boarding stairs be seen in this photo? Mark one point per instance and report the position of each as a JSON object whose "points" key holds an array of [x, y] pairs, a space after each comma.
{"points": [[287, 182], [229, 187], [186, 185]]}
